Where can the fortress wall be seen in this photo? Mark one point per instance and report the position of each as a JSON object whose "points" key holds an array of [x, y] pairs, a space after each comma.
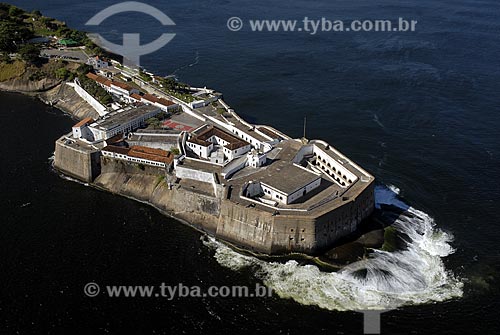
{"points": [[150, 185], [293, 234], [246, 226], [345, 220], [100, 109], [187, 173], [76, 162]]}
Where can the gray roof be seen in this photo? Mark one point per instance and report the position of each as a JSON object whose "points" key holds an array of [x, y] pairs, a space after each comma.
{"points": [[288, 178], [119, 118]]}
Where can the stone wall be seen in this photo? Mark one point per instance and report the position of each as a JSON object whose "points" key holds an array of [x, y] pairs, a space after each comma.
{"points": [[244, 226], [75, 162]]}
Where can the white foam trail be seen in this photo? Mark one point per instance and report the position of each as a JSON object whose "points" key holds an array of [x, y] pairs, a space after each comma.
{"points": [[383, 281]]}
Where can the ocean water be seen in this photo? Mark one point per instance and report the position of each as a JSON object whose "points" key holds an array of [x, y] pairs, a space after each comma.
{"points": [[418, 110]]}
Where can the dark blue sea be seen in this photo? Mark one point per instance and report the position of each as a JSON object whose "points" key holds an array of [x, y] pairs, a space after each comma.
{"points": [[419, 110]]}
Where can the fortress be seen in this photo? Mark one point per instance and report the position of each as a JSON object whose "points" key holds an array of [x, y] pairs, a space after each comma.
{"points": [[247, 184]]}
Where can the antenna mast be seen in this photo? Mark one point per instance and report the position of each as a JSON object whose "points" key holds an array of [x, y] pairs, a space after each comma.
{"points": [[305, 122]]}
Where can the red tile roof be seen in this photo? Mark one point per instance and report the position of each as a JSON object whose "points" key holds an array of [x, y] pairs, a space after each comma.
{"points": [[121, 85], [234, 142], [83, 122], [107, 82], [136, 96], [156, 155], [152, 154], [115, 149], [165, 102], [92, 76], [150, 97]]}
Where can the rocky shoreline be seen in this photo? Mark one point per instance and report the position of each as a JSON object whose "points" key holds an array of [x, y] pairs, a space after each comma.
{"points": [[54, 93]]}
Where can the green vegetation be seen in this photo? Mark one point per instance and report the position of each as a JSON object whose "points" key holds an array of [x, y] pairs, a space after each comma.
{"points": [[221, 111], [175, 151], [159, 180], [12, 34], [11, 70], [18, 26], [64, 74], [177, 89], [5, 58], [144, 76], [30, 53], [37, 75], [92, 87], [153, 122], [390, 239]]}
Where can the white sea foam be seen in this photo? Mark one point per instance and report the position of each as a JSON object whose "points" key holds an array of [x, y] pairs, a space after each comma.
{"points": [[384, 281]]}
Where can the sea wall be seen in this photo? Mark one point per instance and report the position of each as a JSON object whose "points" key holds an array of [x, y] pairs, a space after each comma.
{"points": [[75, 161], [150, 184], [245, 226]]}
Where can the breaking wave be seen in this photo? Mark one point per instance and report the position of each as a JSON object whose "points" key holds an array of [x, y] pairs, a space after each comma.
{"points": [[385, 280]]}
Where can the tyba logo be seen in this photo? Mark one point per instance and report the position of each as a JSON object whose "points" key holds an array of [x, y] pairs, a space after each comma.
{"points": [[131, 50]]}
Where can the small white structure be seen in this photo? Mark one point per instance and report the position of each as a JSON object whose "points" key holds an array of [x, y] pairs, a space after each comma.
{"points": [[291, 183], [98, 62], [149, 99], [81, 129], [204, 143], [255, 160]]}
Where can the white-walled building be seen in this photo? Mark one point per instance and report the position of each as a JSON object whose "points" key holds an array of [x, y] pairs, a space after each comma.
{"points": [[117, 88], [333, 167], [149, 99], [124, 121], [255, 160], [81, 129], [289, 184], [98, 62], [140, 155], [205, 142]]}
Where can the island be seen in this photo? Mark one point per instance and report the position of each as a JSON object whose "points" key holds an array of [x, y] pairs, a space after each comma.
{"points": [[183, 149]]}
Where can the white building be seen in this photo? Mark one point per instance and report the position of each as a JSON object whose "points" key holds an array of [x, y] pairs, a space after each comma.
{"points": [[117, 88], [290, 184], [81, 129], [255, 160], [124, 121], [140, 155], [98, 62], [211, 138], [149, 99]]}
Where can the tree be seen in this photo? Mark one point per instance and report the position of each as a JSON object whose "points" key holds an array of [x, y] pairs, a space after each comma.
{"points": [[30, 53], [12, 34], [106, 99], [4, 58], [84, 69], [175, 151], [154, 122], [36, 13], [62, 73], [169, 83], [15, 12]]}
